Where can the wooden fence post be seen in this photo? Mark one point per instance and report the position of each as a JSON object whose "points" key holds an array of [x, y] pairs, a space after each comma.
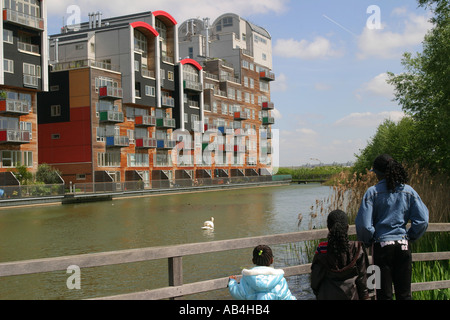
{"points": [[175, 272]]}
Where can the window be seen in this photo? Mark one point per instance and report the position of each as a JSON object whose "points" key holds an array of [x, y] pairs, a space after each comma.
{"points": [[8, 65], [28, 7], [108, 159], [138, 160], [56, 136], [150, 91], [140, 43], [55, 110], [130, 134], [79, 47], [136, 65], [8, 36], [11, 159], [81, 176], [227, 22]]}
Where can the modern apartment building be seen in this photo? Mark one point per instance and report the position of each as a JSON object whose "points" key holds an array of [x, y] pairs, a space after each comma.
{"points": [[123, 106], [237, 59], [23, 73]]}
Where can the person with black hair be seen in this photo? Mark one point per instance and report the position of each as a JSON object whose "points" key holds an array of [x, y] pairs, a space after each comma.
{"points": [[339, 267], [261, 282], [382, 219]]}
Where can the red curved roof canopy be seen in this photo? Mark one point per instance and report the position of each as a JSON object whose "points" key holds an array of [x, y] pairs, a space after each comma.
{"points": [[161, 13], [193, 62], [146, 26]]}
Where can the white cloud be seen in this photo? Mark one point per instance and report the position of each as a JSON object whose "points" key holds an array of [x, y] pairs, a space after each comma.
{"points": [[377, 86], [387, 44], [320, 48], [180, 10], [281, 83], [306, 131], [368, 119], [322, 86]]}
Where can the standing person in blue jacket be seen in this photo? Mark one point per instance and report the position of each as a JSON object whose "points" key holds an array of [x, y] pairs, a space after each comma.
{"points": [[385, 210], [261, 282]]}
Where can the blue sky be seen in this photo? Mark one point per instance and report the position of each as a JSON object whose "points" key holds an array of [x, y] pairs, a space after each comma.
{"points": [[330, 91]]}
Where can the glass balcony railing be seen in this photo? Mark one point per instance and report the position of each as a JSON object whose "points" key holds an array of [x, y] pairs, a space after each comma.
{"points": [[23, 19], [17, 107], [15, 136], [111, 116], [165, 123], [109, 92], [146, 143], [144, 121], [117, 141]]}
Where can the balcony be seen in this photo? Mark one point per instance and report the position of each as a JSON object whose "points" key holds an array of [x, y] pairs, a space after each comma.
{"points": [[166, 123], [145, 143], [167, 102], [109, 92], [14, 107], [192, 85], [23, 19], [117, 141], [268, 105], [268, 120], [30, 81], [28, 47], [111, 116], [15, 136], [144, 121], [267, 75], [240, 116], [166, 144]]}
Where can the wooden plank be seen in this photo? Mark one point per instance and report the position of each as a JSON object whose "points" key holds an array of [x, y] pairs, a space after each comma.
{"points": [[431, 256], [153, 253], [433, 285], [194, 288]]}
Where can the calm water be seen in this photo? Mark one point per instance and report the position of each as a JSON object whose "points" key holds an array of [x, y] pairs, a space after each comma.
{"points": [[41, 232]]}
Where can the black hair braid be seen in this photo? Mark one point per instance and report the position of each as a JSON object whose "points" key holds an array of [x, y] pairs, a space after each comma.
{"points": [[262, 255], [338, 242], [395, 175]]}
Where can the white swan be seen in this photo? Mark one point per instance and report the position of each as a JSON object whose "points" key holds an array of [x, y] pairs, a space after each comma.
{"points": [[208, 225]]}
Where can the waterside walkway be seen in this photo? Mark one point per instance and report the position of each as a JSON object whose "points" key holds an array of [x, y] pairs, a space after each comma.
{"points": [[106, 191]]}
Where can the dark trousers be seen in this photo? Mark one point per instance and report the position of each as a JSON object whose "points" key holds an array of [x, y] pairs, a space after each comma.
{"points": [[395, 263]]}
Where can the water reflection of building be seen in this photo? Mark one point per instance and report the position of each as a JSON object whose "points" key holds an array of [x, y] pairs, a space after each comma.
{"points": [[122, 105]]}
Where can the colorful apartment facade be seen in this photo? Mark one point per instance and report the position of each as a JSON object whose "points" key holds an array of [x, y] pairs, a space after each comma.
{"points": [[122, 106], [23, 73]]}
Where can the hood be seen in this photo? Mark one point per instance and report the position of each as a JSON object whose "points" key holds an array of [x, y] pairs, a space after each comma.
{"points": [[262, 278]]}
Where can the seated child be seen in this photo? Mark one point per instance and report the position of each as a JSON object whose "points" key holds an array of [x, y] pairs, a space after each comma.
{"points": [[338, 270], [261, 282]]}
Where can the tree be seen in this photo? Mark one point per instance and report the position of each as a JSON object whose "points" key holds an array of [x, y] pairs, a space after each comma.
{"points": [[396, 139], [423, 90], [47, 174]]}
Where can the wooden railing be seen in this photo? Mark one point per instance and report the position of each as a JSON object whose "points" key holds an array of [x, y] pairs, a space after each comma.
{"points": [[175, 255]]}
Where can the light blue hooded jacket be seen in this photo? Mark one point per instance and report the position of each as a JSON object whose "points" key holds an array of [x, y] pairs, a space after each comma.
{"points": [[261, 283]]}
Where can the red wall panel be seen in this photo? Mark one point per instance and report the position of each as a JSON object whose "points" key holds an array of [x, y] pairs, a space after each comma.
{"points": [[74, 143]]}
